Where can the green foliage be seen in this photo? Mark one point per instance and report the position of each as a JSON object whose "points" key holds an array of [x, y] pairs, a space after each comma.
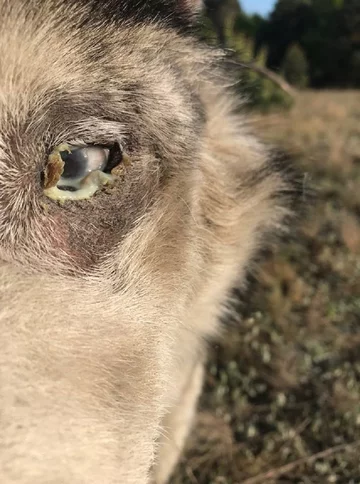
{"points": [[227, 24], [260, 91], [327, 30], [222, 14], [247, 24], [295, 67]]}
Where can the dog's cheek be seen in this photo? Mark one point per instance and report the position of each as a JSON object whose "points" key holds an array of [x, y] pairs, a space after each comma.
{"points": [[59, 242], [86, 231]]}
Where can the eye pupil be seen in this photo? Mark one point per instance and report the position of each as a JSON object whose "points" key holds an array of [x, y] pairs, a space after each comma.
{"points": [[66, 188], [78, 162], [74, 163]]}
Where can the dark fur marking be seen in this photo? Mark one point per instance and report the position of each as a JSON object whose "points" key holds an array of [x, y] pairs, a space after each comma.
{"points": [[171, 13]]}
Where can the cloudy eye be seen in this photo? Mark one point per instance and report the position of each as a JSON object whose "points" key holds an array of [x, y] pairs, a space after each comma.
{"points": [[77, 172], [80, 161]]}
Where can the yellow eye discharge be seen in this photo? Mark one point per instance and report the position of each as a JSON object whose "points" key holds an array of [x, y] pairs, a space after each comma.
{"points": [[78, 172]]}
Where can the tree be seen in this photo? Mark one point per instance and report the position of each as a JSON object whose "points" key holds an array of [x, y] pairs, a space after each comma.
{"points": [[327, 30], [287, 24], [222, 14], [227, 23], [295, 67]]}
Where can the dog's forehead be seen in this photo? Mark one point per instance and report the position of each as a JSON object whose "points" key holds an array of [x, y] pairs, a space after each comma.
{"points": [[91, 15], [43, 46], [60, 52], [174, 13], [50, 71]]}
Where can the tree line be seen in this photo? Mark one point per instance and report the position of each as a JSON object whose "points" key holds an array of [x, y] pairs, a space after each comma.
{"points": [[312, 43]]}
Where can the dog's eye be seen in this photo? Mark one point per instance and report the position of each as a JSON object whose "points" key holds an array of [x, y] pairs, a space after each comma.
{"points": [[78, 162], [77, 172]]}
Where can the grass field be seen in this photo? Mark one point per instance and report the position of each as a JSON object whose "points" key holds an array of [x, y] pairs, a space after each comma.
{"points": [[281, 402]]}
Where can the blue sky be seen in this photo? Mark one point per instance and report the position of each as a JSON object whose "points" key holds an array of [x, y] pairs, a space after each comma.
{"points": [[258, 6]]}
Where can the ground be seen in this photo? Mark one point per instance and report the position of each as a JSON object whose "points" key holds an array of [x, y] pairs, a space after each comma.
{"points": [[281, 402]]}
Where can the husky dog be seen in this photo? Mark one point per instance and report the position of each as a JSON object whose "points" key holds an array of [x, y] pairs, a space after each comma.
{"points": [[132, 199]]}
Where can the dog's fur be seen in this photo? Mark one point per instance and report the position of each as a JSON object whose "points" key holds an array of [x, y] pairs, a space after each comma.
{"points": [[105, 304]]}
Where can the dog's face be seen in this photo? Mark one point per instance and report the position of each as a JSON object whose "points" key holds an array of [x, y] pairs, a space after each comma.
{"points": [[80, 280], [121, 229], [68, 75]]}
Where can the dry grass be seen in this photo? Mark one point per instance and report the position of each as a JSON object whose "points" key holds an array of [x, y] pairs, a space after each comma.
{"points": [[282, 393]]}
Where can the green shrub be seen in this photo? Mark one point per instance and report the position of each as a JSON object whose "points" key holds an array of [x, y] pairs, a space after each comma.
{"points": [[262, 92], [233, 32], [295, 67]]}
